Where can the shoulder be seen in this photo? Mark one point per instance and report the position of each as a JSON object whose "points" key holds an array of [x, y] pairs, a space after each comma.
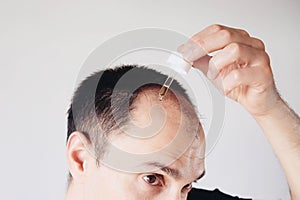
{"points": [[196, 194]]}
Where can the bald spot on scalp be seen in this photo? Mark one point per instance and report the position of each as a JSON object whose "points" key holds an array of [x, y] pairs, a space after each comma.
{"points": [[173, 103]]}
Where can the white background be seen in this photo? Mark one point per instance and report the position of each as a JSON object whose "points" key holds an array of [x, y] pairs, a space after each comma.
{"points": [[44, 43]]}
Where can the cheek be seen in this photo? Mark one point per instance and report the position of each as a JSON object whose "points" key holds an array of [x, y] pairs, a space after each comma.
{"points": [[135, 189]]}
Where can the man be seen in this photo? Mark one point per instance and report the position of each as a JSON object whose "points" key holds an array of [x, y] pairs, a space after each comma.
{"points": [[124, 143]]}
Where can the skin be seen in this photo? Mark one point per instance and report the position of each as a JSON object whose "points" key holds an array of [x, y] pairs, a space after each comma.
{"points": [[158, 180], [241, 70]]}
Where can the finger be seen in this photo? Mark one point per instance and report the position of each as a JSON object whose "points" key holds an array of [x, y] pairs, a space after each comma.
{"points": [[208, 31], [204, 33], [249, 77], [239, 54], [202, 63], [214, 38], [216, 28], [221, 39], [217, 41]]}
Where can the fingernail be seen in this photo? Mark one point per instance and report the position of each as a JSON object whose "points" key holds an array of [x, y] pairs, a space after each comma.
{"points": [[209, 75], [194, 52], [181, 48], [212, 70], [184, 48]]}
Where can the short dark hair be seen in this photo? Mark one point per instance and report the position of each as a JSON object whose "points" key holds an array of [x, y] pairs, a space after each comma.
{"points": [[94, 97]]}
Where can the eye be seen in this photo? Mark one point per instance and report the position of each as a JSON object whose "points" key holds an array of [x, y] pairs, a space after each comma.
{"points": [[188, 187], [153, 179]]}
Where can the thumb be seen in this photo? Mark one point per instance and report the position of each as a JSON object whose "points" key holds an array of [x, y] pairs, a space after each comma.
{"points": [[202, 63]]}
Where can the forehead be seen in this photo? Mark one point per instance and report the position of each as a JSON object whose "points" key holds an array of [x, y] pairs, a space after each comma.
{"points": [[187, 163]]}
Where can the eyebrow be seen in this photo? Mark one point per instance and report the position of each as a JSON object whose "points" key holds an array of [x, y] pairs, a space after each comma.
{"points": [[175, 173]]}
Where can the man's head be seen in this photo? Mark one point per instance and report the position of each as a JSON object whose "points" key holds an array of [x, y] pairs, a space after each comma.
{"points": [[124, 143]]}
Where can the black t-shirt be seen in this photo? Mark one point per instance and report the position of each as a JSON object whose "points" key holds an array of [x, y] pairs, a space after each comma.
{"points": [[200, 194]]}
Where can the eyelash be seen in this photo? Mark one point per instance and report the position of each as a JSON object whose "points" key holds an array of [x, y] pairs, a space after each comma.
{"points": [[159, 178], [188, 187]]}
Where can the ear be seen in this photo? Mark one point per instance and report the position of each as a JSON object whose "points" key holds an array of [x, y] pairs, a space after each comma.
{"points": [[77, 156]]}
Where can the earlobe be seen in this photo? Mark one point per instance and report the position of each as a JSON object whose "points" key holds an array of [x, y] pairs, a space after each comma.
{"points": [[77, 156]]}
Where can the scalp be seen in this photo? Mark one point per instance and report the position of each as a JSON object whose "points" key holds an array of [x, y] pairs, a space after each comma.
{"points": [[173, 103]]}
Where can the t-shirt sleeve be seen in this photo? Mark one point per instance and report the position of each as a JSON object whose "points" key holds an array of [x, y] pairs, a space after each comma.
{"points": [[200, 194]]}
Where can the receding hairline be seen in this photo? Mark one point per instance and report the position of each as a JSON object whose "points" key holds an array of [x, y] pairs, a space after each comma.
{"points": [[173, 99]]}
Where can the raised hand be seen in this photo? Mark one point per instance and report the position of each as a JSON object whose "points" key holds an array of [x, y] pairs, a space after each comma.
{"points": [[240, 67]]}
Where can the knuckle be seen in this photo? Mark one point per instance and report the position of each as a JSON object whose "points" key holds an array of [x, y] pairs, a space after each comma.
{"points": [[266, 58], [235, 48], [216, 27], [260, 44], [226, 34], [243, 32]]}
